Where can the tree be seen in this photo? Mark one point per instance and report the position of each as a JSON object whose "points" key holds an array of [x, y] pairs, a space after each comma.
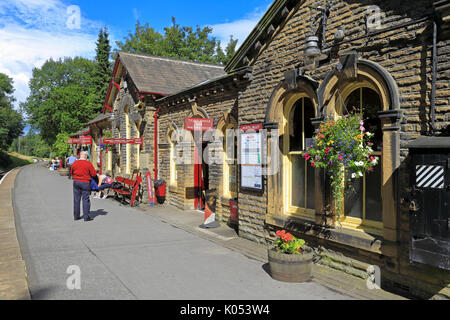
{"points": [[230, 49], [62, 97], [184, 43], [61, 148], [11, 121], [102, 69]]}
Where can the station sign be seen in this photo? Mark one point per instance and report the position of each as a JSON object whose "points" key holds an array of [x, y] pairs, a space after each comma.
{"points": [[124, 141], [251, 127], [81, 140], [198, 124]]}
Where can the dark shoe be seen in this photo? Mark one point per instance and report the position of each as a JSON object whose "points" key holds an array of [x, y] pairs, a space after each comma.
{"points": [[76, 219], [88, 219]]}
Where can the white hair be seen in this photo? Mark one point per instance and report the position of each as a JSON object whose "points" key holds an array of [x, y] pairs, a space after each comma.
{"points": [[84, 153]]}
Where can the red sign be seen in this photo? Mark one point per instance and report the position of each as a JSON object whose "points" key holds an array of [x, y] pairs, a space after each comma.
{"points": [[82, 140], [252, 127], [124, 141], [73, 141], [86, 140], [198, 124]]}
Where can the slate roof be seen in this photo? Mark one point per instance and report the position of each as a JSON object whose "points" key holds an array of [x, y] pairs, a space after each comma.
{"points": [[99, 118], [166, 75], [80, 133]]}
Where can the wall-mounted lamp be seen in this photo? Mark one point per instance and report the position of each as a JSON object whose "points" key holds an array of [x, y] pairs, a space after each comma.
{"points": [[313, 53]]}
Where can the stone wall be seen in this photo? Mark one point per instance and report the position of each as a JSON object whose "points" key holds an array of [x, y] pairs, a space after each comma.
{"points": [[406, 54], [211, 103]]}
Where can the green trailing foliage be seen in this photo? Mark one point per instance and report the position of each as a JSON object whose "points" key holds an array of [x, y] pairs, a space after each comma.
{"points": [[343, 148]]}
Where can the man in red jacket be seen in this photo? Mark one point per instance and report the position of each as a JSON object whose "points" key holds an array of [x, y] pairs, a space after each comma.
{"points": [[82, 171]]}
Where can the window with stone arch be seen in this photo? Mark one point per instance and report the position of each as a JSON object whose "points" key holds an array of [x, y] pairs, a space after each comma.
{"points": [[363, 203], [171, 137], [299, 181], [227, 127]]}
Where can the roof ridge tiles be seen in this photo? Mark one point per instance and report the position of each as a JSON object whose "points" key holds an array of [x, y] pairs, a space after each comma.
{"points": [[147, 55]]}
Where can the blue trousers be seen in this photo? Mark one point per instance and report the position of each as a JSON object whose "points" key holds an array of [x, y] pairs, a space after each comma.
{"points": [[81, 191]]}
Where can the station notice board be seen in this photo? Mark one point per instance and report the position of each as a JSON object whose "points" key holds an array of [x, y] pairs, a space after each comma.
{"points": [[251, 156]]}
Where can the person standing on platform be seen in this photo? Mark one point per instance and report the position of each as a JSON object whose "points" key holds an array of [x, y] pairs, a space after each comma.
{"points": [[82, 171], [70, 161]]}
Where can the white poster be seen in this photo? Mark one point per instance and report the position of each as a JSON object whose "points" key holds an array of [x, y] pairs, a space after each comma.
{"points": [[251, 160]]}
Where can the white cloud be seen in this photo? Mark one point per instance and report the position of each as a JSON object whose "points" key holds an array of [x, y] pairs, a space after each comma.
{"points": [[239, 28], [33, 31]]}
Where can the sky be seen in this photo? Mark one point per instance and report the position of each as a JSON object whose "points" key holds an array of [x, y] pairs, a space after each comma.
{"points": [[33, 31]]}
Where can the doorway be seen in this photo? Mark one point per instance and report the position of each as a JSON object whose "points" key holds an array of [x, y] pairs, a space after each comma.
{"points": [[201, 176]]}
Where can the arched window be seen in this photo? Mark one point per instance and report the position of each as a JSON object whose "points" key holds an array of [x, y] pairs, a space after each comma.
{"points": [[300, 177], [230, 161], [172, 164], [363, 203]]}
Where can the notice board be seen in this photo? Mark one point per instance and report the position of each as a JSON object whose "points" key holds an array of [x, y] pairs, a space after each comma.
{"points": [[251, 157]]}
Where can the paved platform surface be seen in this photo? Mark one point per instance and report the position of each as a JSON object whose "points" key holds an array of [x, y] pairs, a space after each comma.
{"points": [[128, 253], [227, 237], [13, 277]]}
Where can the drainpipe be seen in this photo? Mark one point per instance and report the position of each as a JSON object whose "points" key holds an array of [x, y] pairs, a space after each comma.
{"points": [[101, 154], [155, 117], [433, 81]]}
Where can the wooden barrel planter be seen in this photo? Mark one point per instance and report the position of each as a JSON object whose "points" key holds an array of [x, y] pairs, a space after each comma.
{"points": [[290, 267]]}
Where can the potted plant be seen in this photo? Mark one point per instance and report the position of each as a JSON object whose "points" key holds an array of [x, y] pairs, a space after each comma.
{"points": [[290, 260], [344, 150]]}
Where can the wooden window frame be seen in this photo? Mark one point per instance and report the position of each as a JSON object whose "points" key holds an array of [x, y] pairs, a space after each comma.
{"points": [[227, 193], [364, 224], [291, 210]]}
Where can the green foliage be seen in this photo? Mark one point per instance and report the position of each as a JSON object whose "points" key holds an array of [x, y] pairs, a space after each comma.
{"points": [[102, 70], [288, 244], [11, 121], [60, 147], [31, 145], [8, 162], [62, 97], [343, 149], [178, 42]]}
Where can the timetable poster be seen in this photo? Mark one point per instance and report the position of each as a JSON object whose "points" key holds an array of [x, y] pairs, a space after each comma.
{"points": [[251, 166]]}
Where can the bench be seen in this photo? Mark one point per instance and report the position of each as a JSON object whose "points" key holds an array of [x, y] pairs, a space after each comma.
{"points": [[129, 190]]}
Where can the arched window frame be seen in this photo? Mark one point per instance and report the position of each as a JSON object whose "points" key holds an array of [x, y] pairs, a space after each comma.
{"points": [[331, 93], [228, 122], [287, 158], [363, 222], [172, 139]]}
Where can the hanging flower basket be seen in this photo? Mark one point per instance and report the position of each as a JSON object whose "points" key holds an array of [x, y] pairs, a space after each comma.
{"points": [[344, 150]]}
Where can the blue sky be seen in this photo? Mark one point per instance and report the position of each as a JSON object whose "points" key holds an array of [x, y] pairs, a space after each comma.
{"points": [[32, 31]]}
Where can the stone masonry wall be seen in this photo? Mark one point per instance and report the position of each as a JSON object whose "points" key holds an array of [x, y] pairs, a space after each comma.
{"points": [[406, 54]]}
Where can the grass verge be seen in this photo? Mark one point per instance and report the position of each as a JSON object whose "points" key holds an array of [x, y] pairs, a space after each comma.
{"points": [[11, 160]]}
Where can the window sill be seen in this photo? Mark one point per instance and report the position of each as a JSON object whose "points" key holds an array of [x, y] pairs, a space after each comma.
{"points": [[341, 235]]}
